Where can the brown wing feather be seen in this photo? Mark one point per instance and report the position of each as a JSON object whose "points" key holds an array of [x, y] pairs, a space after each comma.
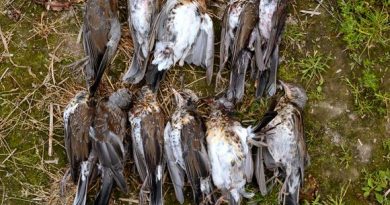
{"points": [[152, 132], [77, 138], [225, 42], [299, 132], [278, 22], [195, 154], [248, 21]]}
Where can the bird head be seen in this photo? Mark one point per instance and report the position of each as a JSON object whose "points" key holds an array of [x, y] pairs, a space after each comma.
{"points": [[121, 98], [186, 97], [221, 104], [295, 94]]}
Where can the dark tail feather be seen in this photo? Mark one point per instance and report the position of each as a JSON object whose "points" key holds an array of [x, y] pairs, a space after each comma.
{"points": [[254, 69], [237, 76], [271, 85], [136, 71], [291, 199], [82, 186], [260, 171], [267, 118], [154, 76], [74, 171], [120, 180], [156, 190], [99, 74], [232, 201], [262, 82], [103, 197]]}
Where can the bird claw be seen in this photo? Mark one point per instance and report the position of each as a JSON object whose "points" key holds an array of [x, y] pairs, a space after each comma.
{"points": [[220, 200], [63, 182], [257, 143]]}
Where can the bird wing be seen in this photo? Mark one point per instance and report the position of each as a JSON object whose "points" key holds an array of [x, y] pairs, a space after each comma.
{"points": [[138, 148], [159, 24], [132, 29], [152, 133], [225, 41], [194, 134], [260, 171], [95, 34], [301, 145], [241, 55], [110, 151], [152, 75], [77, 119], [248, 20], [278, 22], [267, 56], [114, 36], [202, 51], [100, 20], [196, 159], [175, 171], [136, 71]]}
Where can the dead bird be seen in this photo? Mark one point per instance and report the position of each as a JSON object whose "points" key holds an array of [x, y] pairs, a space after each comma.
{"points": [[185, 149], [108, 133], [101, 35], [141, 16], [78, 117], [285, 149], [147, 129], [229, 153], [250, 38], [237, 43], [183, 32], [272, 18]]}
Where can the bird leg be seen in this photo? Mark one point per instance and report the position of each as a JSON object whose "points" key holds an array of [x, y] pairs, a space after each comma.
{"points": [[257, 143], [143, 195], [209, 198], [63, 182], [220, 200], [283, 189]]}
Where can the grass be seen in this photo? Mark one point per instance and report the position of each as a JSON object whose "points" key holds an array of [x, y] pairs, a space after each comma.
{"points": [[365, 27], [365, 24], [270, 199], [346, 157], [313, 66], [369, 99], [377, 186], [332, 200]]}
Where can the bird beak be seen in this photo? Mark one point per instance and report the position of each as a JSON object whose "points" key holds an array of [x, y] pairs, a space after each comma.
{"points": [[178, 98], [285, 88]]}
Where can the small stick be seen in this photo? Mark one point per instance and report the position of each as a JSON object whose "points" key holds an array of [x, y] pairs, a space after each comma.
{"points": [[53, 161], [80, 35], [318, 6], [310, 12], [6, 159], [50, 151], [131, 201]]}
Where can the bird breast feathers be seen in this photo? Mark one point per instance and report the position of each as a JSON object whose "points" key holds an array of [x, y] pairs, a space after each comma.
{"points": [[267, 10]]}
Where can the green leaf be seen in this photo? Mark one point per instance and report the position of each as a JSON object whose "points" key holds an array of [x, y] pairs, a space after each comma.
{"points": [[379, 197], [366, 194], [370, 182], [378, 188]]}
